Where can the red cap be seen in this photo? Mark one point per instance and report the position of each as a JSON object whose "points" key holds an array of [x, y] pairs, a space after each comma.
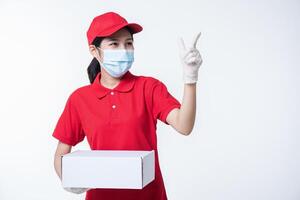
{"points": [[108, 23]]}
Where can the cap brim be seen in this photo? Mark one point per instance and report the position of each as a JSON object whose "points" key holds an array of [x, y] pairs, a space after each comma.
{"points": [[135, 28]]}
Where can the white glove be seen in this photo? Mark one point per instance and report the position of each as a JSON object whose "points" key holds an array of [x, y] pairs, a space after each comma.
{"points": [[191, 60], [76, 190]]}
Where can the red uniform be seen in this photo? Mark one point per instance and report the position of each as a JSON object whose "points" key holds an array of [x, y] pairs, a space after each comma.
{"points": [[122, 118]]}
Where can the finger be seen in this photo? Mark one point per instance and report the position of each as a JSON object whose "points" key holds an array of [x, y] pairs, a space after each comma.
{"points": [[181, 44], [190, 58], [196, 39], [193, 61], [191, 52]]}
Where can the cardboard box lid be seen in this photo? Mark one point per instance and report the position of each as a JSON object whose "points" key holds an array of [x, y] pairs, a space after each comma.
{"points": [[107, 153]]}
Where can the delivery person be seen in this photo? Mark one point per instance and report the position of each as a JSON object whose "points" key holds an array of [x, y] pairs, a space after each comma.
{"points": [[119, 110]]}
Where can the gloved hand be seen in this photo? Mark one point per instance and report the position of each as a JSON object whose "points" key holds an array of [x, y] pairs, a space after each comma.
{"points": [[191, 60], [76, 190]]}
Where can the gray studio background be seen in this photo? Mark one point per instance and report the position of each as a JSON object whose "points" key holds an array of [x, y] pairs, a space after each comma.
{"points": [[245, 143]]}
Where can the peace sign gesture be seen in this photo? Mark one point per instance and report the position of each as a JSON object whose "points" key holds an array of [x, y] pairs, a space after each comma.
{"points": [[194, 42], [191, 60]]}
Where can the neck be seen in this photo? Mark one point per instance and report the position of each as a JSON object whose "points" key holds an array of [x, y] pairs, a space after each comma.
{"points": [[108, 81]]}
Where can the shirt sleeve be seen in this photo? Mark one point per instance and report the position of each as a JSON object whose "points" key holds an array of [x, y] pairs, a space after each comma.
{"points": [[163, 102], [68, 128]]}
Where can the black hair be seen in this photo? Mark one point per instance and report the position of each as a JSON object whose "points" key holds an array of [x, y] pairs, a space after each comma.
{"points": [[94, 67]]}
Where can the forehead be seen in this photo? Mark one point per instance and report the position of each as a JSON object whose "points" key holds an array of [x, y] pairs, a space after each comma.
{"points": [[122, 34]]}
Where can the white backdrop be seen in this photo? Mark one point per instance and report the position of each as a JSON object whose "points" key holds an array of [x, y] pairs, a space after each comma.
{"points": [[245, 143]]}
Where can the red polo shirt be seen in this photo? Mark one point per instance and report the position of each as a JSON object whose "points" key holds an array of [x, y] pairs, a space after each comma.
{"points": [[122, 118]]}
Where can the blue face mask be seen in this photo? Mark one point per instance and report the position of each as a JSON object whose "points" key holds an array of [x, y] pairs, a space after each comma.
{"points": [[117, 62]]}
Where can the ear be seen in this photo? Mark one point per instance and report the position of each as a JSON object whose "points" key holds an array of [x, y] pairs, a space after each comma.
{"points": [[94, 51]]}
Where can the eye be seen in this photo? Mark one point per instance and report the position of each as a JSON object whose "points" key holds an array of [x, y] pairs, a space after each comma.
{"points": [[112, 44], [130, 43]]}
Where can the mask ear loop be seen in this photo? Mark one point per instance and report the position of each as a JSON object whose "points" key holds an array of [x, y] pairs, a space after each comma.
{"points": [[99, 56]]}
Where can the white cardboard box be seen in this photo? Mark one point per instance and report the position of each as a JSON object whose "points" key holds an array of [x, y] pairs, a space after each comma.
{"points": [[108, 169]]}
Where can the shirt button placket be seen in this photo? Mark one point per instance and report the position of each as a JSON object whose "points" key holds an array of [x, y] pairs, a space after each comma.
{"points": [[113, 103]]}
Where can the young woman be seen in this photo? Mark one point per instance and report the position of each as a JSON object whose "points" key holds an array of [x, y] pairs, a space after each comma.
{"points": [[119, 110]]}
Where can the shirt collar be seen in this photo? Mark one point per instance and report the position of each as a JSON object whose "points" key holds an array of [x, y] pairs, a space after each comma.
{"points": [[125, 85]]}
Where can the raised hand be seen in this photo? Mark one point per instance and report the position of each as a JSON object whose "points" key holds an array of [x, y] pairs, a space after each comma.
{"points": [[191, 60]]}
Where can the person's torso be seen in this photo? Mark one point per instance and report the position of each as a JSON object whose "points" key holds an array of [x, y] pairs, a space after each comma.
{"points": [[121, 120]]}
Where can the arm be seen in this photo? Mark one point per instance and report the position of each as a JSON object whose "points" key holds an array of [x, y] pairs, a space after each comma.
{"points": [[183, 119], [61, 149]]}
